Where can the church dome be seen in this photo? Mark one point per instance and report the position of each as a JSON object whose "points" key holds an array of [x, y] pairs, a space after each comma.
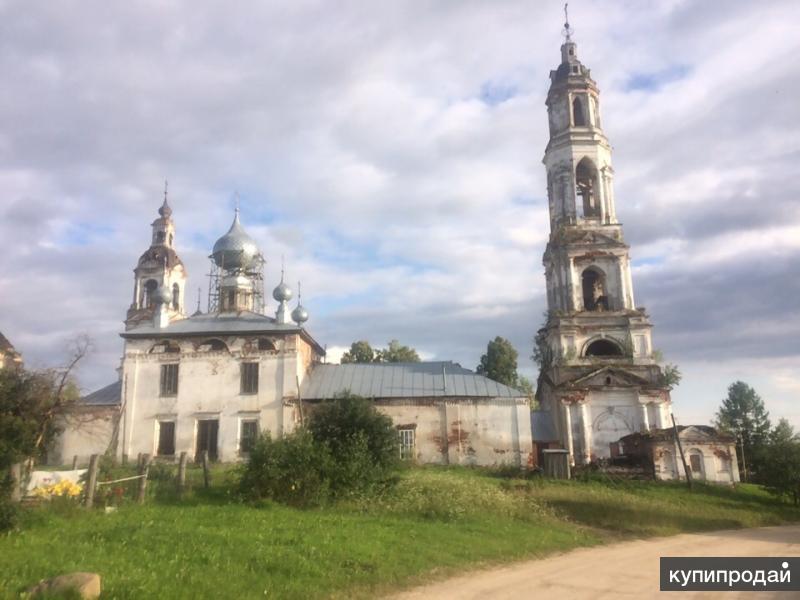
{"points": [[235, 250], [299, 314], [282, 293]]}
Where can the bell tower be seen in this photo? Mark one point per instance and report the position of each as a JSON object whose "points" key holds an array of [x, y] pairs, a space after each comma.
{"points": [[598, 380], [159, 279]]}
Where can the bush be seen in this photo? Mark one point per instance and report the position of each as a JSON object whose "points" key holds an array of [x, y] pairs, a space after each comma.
{"points": [[348, 449], [8, 509], [292, 470]]}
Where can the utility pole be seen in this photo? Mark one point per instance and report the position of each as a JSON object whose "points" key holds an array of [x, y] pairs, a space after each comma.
{"points": [[744, 464], [680, 448]]}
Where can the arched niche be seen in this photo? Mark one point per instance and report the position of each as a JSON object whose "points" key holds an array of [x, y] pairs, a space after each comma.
{"points": [[587, 188], [602, 348], [266, 345], [148, 293], [578, 112], [166, 346], [176, 296], [212, 345], [593, 286]]}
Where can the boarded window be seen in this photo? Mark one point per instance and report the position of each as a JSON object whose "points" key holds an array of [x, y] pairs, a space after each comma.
{"points": [[407, 443], [248, 436], [169, 380], [696, 462], [249, 378], [166, 438]]}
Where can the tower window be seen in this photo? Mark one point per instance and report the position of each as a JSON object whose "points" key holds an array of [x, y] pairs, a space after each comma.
{"points": [[586, 184], [578, 116], [159, 237], [176, 296], [594, 289], [249, 383], [603, 348], [150, 287]]}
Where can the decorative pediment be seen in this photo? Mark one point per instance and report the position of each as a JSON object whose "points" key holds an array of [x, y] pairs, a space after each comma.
{"points": [[607, 377]]}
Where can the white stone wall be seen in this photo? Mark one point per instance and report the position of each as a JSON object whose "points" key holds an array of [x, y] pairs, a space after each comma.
{"points": [[209, 388], [85, 432], [483, 432], [719, 462]]}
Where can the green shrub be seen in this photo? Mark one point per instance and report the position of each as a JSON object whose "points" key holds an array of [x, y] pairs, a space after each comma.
{"points": [[291, 470], [8, 509], [363, 441]]}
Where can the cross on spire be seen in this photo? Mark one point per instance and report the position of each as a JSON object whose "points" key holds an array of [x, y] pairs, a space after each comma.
{"points": [[567, 28]]}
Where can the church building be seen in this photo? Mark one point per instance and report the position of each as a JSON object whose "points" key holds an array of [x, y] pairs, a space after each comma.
{"points": [[599, 378]]}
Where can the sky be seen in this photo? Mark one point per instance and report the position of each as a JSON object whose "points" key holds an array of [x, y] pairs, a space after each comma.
{"points": [[391, 152]]}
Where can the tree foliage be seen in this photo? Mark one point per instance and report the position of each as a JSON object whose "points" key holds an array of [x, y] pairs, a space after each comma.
{"points": [[779, 462], [743, 415], [500, 362], [362, 352]]}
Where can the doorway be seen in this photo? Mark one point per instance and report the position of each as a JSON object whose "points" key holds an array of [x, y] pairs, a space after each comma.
{"points": [[207, 432]]}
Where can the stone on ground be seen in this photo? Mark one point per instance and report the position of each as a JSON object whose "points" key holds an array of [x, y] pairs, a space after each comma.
{"points": [[85, 584]]}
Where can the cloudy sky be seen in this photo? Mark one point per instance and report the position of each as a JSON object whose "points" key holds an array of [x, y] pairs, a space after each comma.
{"points": [[392, 152]]}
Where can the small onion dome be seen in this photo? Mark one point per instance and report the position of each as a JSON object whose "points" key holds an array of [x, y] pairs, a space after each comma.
{"points": [[166, 210], [235, 250], [299, 314], [282, 293], [162, 295]]}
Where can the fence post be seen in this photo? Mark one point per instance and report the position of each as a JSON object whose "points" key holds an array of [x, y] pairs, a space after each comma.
{"points": [[139, 462], [16, 482], [74, 462], [144, 471], [205, 469], [182, 475], [91, 481]]}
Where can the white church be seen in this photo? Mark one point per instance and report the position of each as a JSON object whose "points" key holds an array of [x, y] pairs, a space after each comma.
{"points": [[212, 381]]}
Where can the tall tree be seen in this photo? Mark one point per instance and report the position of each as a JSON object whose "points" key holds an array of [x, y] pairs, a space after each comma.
{"points": [[743, 415], [500, 362], [779, 469], [397, 353], [360, 352]]}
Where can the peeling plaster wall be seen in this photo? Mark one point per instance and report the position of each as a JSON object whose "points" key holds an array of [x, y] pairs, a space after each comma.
{"points": [[466, 432]]}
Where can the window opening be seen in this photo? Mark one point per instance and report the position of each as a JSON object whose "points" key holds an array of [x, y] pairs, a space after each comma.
{"points": [[150, 287], [248, 436], [176, 296], [249, 378], [586, 182], [603, 348], [207, 433], [166, 438], [407, 443], [169, 379], [594, 290], [578, 117]]}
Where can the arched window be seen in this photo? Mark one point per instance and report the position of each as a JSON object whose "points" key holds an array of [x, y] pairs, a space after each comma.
{"points": [[603, 348], [176, 296], [160, 237], [212, 345], [578, 116], [696, 464], [593, 282], [266, 344], [586, 182], [170, 239], [150, 287], [165, 346]]}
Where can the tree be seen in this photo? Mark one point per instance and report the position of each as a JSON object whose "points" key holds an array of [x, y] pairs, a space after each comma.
{"points": [[779, 461], [30, 404], [499, 362], [743, 415], [396, 353], [360, 352]]}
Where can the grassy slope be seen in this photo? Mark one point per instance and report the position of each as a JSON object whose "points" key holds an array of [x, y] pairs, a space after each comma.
{"points": [[436, 521]]}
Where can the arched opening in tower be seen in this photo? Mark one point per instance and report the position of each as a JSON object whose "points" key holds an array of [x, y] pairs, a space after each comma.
{"points": [[176, 296], [603, 348], [578, 116], [593, 282], [586, 183], [150, 287]]}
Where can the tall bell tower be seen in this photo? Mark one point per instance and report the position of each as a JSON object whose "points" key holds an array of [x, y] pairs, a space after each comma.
{"points": [[599, 380], [159, 277]]}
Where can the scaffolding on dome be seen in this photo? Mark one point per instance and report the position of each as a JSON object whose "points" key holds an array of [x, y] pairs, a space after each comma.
{"points": [[254, 272]]}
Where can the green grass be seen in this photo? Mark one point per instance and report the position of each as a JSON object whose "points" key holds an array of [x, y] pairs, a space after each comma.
{"points": [[434, 522]]}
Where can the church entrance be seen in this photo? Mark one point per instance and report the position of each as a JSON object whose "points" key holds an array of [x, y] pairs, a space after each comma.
{"points": [[207, 432]]}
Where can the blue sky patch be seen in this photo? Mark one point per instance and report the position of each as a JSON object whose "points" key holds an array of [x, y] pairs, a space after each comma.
{"points": [[494, 93], [652, 82]]}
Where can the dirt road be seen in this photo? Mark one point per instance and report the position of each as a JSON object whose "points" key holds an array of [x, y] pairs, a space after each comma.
{"points": [[623, 570]]}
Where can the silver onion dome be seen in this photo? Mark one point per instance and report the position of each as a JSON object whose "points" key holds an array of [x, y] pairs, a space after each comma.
{"points": [[162, 295], [282, 293], [299, 314], [235, 250]]}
